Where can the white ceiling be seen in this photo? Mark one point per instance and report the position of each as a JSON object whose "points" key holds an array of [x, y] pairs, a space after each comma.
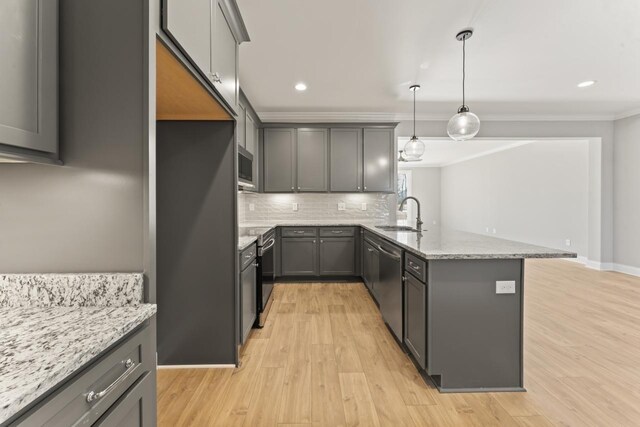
{"points": [[525, 57]]}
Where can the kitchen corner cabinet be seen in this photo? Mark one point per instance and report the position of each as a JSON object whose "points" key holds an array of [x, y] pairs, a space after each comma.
{"points": [[278, 157], [311, 160], [29, 83], [379, 160], [415, 318], [204, 31], [346, 160]]}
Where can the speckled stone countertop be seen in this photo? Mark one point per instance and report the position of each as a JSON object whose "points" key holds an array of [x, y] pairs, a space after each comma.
{"points": [[53, 325], [249, 234], [441, 243]]}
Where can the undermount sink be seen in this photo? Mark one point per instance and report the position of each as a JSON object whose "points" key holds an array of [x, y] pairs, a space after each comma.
{"points": [[397, 228]]}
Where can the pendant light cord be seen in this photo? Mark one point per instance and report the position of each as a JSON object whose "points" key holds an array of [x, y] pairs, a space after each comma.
{"points": [[414, 112], [464, 41]]}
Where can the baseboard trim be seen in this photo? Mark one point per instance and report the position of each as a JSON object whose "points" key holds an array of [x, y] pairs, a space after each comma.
{"points": [[627, 269], [222, 366], [607, 266]]}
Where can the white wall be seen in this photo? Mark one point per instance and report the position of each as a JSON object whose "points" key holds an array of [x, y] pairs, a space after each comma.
{"points": [[626, 204], [536, 193], [426, 188]]}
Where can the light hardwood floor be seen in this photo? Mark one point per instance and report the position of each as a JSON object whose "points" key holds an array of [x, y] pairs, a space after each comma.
{"points": [[325, 358]]}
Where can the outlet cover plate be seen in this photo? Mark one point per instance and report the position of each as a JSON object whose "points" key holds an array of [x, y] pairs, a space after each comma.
{"points": [[505, 287], [342, 206]]}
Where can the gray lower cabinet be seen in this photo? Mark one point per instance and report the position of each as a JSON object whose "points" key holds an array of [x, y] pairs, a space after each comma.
{"points": [[311, 160], [379, 160], [128, 375], [338, 256], [29, 83], [415, 318], [248, 296], [346, 160], [278, 157], [371, 266], [299, 256]]}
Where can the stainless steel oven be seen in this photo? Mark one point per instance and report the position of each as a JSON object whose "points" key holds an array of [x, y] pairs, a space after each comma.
{"points": [[266, 275]]}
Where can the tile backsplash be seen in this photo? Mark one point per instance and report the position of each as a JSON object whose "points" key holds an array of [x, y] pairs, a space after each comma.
{"points": [[280, 207]]}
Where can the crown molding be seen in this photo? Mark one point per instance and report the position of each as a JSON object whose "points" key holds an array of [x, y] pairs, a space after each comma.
{"points": [[352, 117], [626, 114]]}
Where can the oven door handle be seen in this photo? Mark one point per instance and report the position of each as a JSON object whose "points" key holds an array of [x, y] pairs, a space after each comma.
{"points": [[269, 245]]}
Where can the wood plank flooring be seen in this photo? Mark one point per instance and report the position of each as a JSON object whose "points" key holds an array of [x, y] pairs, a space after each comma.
{"points": [[325, 358]]}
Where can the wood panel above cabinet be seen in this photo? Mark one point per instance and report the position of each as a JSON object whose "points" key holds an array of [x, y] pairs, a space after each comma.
{"points": [[329, 158]]}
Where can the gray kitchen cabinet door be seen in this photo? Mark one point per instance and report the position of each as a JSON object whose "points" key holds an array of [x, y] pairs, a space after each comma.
{"points": [[251, 136], [241, 126], [379, 160], [29, 74], [312, 148], [338, 256], [135, 408], [224, 55], [278, 160], [346, 160], [299, 256], [248, 295], [415, 318], [188, 23]]}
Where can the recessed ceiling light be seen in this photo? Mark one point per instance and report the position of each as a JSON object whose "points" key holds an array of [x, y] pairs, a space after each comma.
{"points": [[301, 87], [587, 83]]}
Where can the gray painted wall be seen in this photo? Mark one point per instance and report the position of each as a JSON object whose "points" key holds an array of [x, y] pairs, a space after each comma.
{"points": [[425, 185], [601, 178], [627, 192], [87, 215], [536, 193]]}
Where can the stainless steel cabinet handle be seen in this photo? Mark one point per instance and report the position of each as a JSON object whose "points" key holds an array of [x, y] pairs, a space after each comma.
{"points": [[336, 231], [255, 265], [269, 245], [215, 77], [248, 256], [370, 250], [298, 231], [321, 241], [314, 241], [417, 267], [130, 365]]}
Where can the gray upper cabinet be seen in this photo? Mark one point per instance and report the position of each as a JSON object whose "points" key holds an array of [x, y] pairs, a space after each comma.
{"points": [[241, 126], [379, 160], [188, 22], [279, 160], [251, 135], [29, 70], [224, 55], [346, 160], [312, 148]]}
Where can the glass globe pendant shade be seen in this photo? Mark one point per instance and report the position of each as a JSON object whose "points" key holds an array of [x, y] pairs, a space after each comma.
{"points": [[464, 125], [414, 148]]}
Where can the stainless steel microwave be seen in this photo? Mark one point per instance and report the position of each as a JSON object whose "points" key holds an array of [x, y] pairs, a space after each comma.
{"points": [[245, 168]]}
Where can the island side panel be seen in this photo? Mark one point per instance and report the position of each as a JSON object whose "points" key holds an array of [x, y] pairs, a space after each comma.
{"points": [[475, 334]]}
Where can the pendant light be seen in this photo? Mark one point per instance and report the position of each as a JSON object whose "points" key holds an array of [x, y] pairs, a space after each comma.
{"points": [[414, 148], [464, 125]]}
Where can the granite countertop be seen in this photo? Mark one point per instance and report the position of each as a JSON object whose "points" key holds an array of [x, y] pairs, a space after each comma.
{"points": [[249, 234], [51, 325], [441, 243]]}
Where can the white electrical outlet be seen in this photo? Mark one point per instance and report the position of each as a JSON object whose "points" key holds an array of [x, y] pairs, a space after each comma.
{"points": [[505, 287], [342, 206], [295, 207], [486, 229], [494, 231], [434, 222], [363, 206], [567, 242], [252, 206]]}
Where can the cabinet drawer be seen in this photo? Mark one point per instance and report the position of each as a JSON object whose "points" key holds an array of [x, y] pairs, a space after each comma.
{"points": [[416, 266], [299, 232], [247, 256], [337, 232], [108, 379]]}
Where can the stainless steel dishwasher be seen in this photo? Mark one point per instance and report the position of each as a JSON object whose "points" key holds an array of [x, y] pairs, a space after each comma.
{"points": [[389, 287]]}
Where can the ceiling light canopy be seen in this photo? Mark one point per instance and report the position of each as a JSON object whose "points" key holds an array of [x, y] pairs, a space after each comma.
{"points": [[464, 125], [300, 87], [586, 83], [414, 148]]}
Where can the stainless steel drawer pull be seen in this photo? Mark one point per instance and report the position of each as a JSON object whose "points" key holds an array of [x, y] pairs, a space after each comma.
{"points": [[298, 231], [417, 267], [370, 250], [248, 256], [336, 231], [130, 365]]}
